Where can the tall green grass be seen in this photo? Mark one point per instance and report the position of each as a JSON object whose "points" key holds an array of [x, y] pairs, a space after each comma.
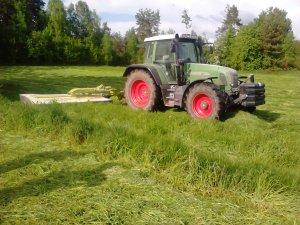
{"points": [[115, 165]]}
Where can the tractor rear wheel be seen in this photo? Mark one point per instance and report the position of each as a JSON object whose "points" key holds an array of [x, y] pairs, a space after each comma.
{"points": [[205, 100], [141, 92]]}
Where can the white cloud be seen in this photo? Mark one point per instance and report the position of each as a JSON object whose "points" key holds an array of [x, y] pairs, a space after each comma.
{"points": [[121, 27], [206, 15]]}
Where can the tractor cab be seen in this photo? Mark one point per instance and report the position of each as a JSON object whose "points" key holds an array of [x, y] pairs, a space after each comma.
{"points": [[171, 52]]}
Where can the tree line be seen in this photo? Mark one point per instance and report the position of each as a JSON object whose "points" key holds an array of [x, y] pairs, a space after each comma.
{"points": [[75, 34], [266, 42]]}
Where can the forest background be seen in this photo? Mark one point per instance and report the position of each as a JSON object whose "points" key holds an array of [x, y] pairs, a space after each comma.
{"points": [[33, 34]]}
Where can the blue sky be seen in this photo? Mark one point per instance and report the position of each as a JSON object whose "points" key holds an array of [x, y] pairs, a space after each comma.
{"points": [[206, 15]]}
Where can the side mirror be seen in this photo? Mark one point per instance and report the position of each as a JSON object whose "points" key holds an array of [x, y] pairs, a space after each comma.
{"points": [[174, 43], [199, 43], [173, 47]]}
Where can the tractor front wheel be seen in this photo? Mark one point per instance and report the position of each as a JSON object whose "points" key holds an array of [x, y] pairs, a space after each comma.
{"points": [[205, 100], [141, 92]]}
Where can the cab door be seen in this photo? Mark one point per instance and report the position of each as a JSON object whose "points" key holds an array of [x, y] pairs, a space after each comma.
{"points": [[164, 57]]}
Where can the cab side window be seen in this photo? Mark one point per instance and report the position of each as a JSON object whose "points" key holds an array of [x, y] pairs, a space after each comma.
{"points": [[148, 52], [163, 52], [188, 50]]}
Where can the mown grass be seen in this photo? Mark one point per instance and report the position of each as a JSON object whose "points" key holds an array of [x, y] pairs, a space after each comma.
{"points": [[105, 163]]}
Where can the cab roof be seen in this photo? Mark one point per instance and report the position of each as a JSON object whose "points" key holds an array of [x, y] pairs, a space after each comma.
{"points": [[170, 37]]}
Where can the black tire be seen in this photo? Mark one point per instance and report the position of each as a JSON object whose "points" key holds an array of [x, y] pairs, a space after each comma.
{"points": [[205, 100], [141, 92]]}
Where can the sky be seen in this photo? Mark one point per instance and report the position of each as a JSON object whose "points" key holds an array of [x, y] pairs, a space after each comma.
{"points": [[206, 15]]}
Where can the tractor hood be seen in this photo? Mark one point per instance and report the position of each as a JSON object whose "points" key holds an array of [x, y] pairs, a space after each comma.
{"points": [[221, 75]]}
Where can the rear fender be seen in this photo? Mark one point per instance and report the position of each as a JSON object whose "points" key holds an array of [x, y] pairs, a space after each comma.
{"points": [[150, 69]]}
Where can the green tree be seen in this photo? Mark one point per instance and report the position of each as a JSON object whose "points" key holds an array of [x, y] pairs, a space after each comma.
{"points": [[223, 49], [74, 34], [18, 40], [131, 46], [41, 48], [118, 45], [231, 21], [84, 24], [148, 22], [246, 50], [205, 51], [107, 50], [226, 35], [267, 42], [105, 28], [94, 38], [18, 18], [57, 28], [35, 14], [276, 38], [47, 46], [57, 18], [186, 19], [297, 54], [72, 21], [85, 20], [7, 23], [75, 51]]}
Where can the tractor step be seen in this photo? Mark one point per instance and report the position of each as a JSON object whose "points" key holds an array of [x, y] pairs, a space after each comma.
{"points": [[168, 92]]}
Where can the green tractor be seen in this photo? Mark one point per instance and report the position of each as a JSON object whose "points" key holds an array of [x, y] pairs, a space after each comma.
{"points": [[173, 75]]}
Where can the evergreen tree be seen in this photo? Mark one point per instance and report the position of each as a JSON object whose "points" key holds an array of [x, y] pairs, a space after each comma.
{"points": [[231, 21], [148, 22], [276, 38], [186, 19]]}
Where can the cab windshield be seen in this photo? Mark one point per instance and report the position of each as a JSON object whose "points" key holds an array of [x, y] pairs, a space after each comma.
{"points": [[188, 50]]}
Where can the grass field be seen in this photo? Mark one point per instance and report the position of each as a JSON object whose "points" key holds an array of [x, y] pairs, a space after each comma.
{"points": [[107, 164]]}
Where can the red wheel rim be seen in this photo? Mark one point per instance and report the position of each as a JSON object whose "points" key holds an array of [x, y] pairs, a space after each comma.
{"points": [[202, 106], [140, 93]]}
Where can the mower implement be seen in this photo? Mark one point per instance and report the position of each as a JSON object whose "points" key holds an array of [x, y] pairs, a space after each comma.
{"points": [[101, 93]]}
